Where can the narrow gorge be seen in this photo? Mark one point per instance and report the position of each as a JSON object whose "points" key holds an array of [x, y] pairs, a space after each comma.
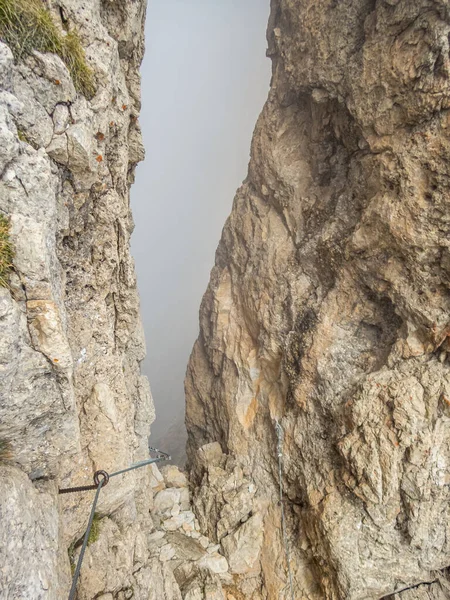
{"points": [[319, 386], [72, 399]]}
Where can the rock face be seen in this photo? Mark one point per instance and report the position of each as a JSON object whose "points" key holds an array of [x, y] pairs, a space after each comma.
{"points": [[72, 399], [166, 559], [328, 311]]}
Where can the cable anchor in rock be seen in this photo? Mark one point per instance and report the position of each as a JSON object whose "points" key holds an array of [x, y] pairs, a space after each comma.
{"points": [[101, 478]]}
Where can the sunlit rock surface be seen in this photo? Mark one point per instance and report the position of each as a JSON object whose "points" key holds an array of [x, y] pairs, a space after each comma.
{"points": [[328, 310]]}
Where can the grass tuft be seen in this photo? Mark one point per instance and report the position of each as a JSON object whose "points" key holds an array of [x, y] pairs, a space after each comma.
{"points": [[71, 553], [95, 530], [5, 450], [6, 252], [93, 537], [22, 136], [26, 25]]}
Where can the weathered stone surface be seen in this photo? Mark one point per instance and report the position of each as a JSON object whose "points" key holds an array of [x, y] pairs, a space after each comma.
{"points": [[58, 149], [61, 119], [183, 520], [185, 548], [214, 562], [156, 479], [438, 590], [197, 583], [71, 396], [328, 310], [242, 548], [157, 581], [72, 399], [28, 538], [174, 477], [165, 501], [8, 139]]}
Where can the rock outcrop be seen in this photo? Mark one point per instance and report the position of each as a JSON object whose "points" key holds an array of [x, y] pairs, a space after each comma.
{"points": [[168, 559], [328, 311]]}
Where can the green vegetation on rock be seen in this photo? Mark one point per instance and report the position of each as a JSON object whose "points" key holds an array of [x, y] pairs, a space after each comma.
{"points": [[95, 530], [6, 253], [26, 25], [93, 537]]}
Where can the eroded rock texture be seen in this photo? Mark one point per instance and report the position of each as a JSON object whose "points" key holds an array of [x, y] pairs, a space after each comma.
{"points": [[72, 399], [328, 310]]}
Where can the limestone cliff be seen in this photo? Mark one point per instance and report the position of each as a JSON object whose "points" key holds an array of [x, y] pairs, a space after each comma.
{"points": [[328, 310], [72, 399]]}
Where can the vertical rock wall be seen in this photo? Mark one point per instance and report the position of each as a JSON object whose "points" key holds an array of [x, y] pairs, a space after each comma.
{"points": [[328, 310], [72, 399]]}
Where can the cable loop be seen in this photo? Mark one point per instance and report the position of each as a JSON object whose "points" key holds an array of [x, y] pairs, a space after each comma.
{"points": [[102, 474], [101, 478]]}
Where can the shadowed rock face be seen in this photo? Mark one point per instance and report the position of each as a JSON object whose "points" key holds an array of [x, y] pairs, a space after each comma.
{"points": [[328, 309]]}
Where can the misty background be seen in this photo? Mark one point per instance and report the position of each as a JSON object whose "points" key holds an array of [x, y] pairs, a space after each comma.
{"points": [[205, 78]]}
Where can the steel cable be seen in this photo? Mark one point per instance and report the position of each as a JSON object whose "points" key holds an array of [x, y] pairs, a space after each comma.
{"points": [[73, 589], [101, 479]]}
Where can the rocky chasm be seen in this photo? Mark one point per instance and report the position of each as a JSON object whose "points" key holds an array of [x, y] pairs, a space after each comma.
{"points": [[327, 313], [72, 399]]}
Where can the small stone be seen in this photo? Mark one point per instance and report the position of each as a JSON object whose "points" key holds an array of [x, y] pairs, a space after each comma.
{"points": [[79, 148], [185, 502], [165, 500], [243, 546], [57, 149], [203, 541], [215, 563], [174, 477], [167, 553], [210, 455], [61, 118], [156, 479], [155, 537], [174, 523]]}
